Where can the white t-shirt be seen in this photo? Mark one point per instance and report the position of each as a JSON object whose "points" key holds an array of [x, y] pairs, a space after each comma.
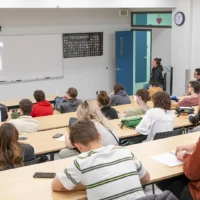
{"points": [[106, 136], [107, 173], [156, 120], [25, 124]]}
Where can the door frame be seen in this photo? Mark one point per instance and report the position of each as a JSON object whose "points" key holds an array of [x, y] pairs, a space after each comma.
{"points": [[140, 29]]}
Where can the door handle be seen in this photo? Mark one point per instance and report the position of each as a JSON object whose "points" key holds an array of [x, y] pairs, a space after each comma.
{"points": [[118, 69]]}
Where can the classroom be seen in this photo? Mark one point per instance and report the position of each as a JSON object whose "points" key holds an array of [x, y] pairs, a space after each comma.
{"points": [[99, 100]]}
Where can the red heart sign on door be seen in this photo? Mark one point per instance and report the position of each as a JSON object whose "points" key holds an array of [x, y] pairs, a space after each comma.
{"points": [[159, 20]]}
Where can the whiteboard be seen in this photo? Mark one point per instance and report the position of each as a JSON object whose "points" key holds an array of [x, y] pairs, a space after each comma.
{"points": [[29, 57]]}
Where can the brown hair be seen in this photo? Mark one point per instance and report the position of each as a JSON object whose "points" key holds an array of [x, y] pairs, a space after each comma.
{"points": [[83, 132], [154, 83], [197, 70], [72, 92], [144, 94], [195, 85], [117, 88], [26, 106], [158, 61], [39, 95], [11, 153], [103, 98], [161, 100]]}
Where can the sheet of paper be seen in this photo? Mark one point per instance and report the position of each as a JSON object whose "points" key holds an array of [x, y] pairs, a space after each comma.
{"points": [[62, 138], [168, 159]]}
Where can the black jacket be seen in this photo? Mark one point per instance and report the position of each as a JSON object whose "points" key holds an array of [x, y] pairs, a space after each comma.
{"points": [[166, 195], [109, 112], [156, 74], [4, 112], [195, 119]]}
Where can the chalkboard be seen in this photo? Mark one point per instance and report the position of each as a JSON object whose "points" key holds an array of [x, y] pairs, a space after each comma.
{"points": [[82, 44]]}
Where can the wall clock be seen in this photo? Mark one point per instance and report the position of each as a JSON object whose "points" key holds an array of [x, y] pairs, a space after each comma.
{"points": [[179, 18]]}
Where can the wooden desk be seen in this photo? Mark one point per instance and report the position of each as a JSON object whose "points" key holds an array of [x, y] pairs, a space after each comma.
{"points": [[24, 186], [43, 142], [54, 121], [179, 122], [14, 103]]}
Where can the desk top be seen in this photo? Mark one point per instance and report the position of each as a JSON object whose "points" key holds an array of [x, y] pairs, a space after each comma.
{"points": [[24, 186], [54, 121], [43, 141], [15, 102]]}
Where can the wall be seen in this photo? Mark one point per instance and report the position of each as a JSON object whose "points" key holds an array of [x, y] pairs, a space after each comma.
{"points": [[88, 74], [88, 4], [181, 51], [161, 48]]}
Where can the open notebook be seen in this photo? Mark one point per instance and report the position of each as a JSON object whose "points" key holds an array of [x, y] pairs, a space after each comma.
{"points": [[168, 159]]}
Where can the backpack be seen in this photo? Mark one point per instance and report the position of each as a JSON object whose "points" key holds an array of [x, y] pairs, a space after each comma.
{"points": [[130, 122], [58, 102]]}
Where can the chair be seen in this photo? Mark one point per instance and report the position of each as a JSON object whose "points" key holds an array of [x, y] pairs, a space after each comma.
{"points": [[166, 195], [33, 162], [163, 135]]}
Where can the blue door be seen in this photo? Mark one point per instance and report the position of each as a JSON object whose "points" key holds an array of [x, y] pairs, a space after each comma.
{"points": [[133, 59], [124, 60]]}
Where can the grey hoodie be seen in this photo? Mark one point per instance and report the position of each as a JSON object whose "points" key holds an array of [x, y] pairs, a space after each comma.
{"points": [[120, 98], [70, 105]]}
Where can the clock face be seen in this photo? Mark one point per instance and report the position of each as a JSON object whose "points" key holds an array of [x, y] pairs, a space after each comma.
{"points": [[179, 18]]}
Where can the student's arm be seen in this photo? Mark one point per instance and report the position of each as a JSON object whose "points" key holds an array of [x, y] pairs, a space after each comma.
{"points": [[192, 163], [184, 102], [56, 185], [174, 104], [190, 148], [69, 179], [143, 127], [142, 172], [68, 143]]}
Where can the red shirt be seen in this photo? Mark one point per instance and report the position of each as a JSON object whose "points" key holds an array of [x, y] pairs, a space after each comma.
{"points": [[42, 108], [191, 169]]}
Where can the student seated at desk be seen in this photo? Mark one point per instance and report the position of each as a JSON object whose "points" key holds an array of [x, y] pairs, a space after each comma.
{"points": [[71, 103], [25, 123], [154, 86], [158, 119], [42, 107], [119, 96], [103, 101], [12, 153], [89, 111], [197, 74], [193, 99], [194, 119], [4, 113], [141, 97], [105, 172], [187, 186]]}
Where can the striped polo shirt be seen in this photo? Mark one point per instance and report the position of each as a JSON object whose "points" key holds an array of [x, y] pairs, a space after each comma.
{"points": [[107, 173]]}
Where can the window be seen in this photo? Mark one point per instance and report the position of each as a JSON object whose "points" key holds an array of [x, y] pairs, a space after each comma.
{"points": [[151, 19]]}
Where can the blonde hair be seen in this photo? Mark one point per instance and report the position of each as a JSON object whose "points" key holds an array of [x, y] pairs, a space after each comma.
{"points": [[88, 110]]}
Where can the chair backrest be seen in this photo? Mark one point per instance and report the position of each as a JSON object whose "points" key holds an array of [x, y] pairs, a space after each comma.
{"points": [[163, 124], [58, 102], [168, 134], [165, 81], [166, 195], [32, 162], [72, 120]]}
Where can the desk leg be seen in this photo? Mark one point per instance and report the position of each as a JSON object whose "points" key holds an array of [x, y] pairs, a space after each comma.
{"points": [[153, 188], [52, 156]]}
